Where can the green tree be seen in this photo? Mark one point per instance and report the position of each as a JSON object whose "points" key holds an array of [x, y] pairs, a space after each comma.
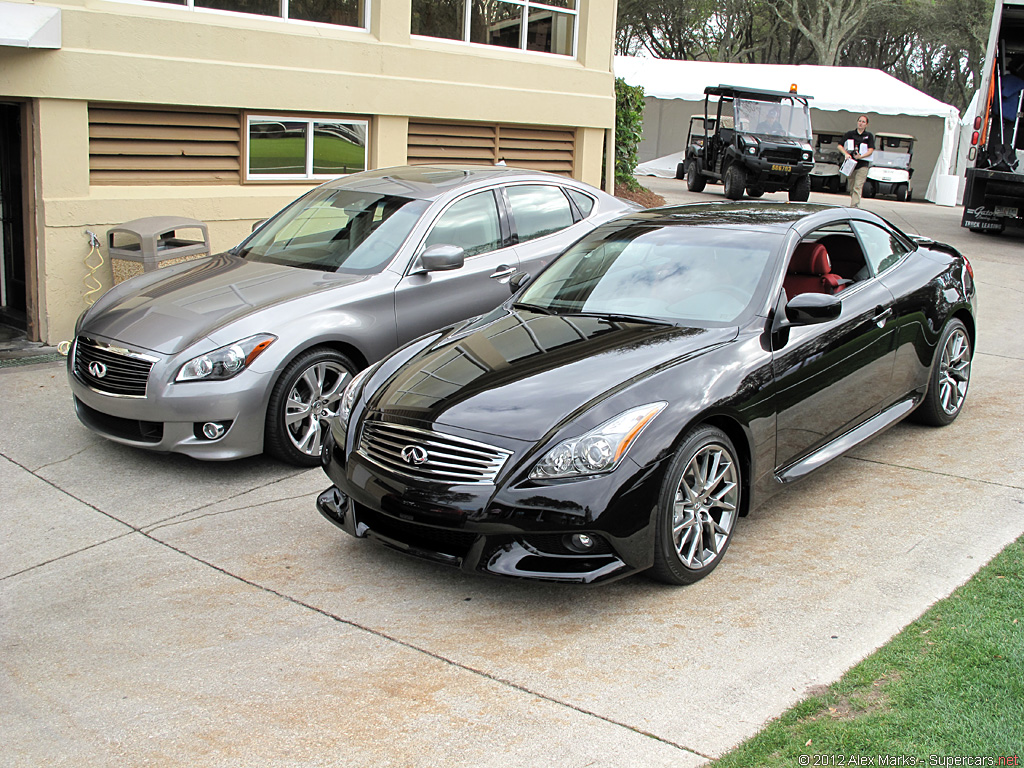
{"points": [[629, 121]]}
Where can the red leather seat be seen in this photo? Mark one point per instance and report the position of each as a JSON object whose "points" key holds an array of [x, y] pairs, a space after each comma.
{"points": [[811, 272]]}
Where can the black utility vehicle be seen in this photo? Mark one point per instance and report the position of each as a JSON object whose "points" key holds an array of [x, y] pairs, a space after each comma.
{"points": [[755, 141]]}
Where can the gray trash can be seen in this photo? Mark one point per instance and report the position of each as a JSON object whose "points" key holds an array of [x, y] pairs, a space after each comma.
{"points": [[146, 244]]}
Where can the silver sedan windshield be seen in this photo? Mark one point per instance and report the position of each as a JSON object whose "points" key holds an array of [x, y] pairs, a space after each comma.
{"points": [[336, 230], [674, 274]]}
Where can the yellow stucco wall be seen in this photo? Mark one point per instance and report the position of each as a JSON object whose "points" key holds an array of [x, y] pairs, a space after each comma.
{"points": [[139, 53]]}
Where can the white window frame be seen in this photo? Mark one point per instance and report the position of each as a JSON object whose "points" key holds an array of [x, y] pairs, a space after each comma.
{"points": [[309, 122], [526, 5], [189, 5]]}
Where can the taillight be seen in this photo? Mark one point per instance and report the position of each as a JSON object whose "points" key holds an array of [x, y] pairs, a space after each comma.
{"points": [[974, 138], [970, 269], [977, 123]]}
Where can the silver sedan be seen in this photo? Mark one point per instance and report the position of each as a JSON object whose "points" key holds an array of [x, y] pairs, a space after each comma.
{"points": [[250, 350]]}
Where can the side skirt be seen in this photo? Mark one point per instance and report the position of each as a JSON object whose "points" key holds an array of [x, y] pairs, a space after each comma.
{"points": [[873, 426]]}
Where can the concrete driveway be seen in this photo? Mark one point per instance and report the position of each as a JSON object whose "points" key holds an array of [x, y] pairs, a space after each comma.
{"points": [[158, 611]]}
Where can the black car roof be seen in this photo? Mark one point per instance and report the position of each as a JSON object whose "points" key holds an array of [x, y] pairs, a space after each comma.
{"points": [[774, 216]]}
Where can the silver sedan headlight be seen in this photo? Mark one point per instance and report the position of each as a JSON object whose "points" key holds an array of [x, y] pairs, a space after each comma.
{"points": [[599, 450], [226, 362]]}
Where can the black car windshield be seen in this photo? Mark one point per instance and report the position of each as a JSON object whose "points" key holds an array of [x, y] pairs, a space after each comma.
{"points": [[336, 230], [679, 274]]}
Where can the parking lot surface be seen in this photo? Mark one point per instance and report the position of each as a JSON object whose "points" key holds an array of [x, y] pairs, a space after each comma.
{"points": [[160, 611]]}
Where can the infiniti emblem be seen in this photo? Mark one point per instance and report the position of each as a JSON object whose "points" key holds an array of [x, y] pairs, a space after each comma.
{"points": [[415, 455], [97, 369]]}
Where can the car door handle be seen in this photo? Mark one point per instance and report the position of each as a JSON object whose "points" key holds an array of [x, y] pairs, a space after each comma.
{"points": [[882, 316], [503, 272]]}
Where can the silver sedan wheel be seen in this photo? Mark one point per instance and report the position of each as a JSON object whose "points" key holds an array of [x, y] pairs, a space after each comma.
{"points": [[954, 372], [705, 506], [314, 398]]}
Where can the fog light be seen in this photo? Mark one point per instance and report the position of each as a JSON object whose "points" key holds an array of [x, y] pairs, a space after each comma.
{"points": [[579, 542], [212, 430]]}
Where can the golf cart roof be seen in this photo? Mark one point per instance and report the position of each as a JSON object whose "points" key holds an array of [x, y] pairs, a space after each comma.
{"points": [[756, 94]]}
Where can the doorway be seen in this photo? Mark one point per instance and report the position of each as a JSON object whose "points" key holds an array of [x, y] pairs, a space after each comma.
{"points": [[13, 284]]}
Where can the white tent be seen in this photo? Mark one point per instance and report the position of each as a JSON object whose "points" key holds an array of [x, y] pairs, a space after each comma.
{"points": [[675, 89]]}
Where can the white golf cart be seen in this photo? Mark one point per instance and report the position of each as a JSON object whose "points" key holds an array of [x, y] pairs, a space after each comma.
{"points": [[890, 170]]}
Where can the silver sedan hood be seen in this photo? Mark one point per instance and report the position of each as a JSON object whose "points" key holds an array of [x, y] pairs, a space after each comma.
{"points": [[169, 313]]}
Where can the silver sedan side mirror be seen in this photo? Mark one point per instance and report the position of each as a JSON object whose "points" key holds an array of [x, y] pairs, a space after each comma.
{"points": [[440, 258]]}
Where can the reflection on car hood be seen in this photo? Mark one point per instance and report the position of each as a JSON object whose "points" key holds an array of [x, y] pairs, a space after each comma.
{"points": [[174, 312], [522, 373]]}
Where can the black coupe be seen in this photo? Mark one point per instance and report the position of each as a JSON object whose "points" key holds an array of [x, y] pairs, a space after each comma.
{"points": [[670, 371]]}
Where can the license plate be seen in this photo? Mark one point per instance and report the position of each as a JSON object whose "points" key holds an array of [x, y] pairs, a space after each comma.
{"points": [[1002, 210], [782, 168]]}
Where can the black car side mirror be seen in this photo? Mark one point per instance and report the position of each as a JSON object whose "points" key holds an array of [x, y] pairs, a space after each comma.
{"points": [[811, 308], [517, 281], [441, 258]]}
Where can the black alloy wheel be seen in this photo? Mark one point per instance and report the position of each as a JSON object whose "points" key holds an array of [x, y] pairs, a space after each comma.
{"points": [[949, 379], [697, 508]]}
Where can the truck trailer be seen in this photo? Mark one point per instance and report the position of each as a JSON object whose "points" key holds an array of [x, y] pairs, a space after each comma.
{"points": [[994, 191]]}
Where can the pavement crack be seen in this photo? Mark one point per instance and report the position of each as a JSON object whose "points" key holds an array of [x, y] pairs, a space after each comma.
{"points": [[181, 519], [937, 473], [427, 652]]}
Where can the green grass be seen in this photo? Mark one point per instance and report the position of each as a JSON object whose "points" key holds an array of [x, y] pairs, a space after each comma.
{"points": [[950, 684]]}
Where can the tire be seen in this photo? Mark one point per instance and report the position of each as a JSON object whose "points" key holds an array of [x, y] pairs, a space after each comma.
{"points": [[734, 181], [697, 507], [901, 193], [680, 170], [869, 189], [755, 191], [801, 190], [949, 378], [835, 185], [695, 181], [305, 396]]}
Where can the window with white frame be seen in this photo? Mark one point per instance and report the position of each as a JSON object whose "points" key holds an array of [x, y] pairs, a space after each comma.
{"points": [[300, 148], [548, 27], [346, 13]]}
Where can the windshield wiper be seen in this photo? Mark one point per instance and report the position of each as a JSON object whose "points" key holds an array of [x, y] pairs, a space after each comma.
{"points": [[533, 308], [611, 316]]}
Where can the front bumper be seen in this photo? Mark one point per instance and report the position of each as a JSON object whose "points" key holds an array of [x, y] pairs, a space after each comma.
{"points": [[522, 532], [169, 418]]}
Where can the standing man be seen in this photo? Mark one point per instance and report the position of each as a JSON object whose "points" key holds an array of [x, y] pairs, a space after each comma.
{"points": [[858, 145]]}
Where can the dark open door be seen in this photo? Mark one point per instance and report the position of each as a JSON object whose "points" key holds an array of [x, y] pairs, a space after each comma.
{"points": [[13, 302]]}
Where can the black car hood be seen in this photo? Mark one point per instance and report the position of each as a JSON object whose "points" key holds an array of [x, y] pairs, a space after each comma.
{"points": [[520, 373], [167, 313]]}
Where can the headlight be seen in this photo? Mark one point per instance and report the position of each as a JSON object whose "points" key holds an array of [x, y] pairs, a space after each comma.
{"points": [[599, 450], [225, 362], [752, 150], [807, 155], [348, 397]]}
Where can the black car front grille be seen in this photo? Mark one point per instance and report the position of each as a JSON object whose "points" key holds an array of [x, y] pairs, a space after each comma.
{"points": [[115, 426], [426, 537], [427, 455], [110, 369]]}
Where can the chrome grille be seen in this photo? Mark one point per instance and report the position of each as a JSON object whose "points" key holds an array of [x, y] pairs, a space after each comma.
{"points": [[124, 372], [448, 459]]}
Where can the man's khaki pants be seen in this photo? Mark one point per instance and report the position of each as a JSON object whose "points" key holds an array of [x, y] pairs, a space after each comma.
{"points": [[857, 179]]}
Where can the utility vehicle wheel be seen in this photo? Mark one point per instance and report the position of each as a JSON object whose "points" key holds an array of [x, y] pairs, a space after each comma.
{"points": [[901, 192], [801, 190], [735, 181], [869, 189], [680, 171], [305, 397], [695, 181], [755, 191]]}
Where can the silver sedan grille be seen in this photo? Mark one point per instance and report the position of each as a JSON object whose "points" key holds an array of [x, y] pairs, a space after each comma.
{"points": [[427, 455], [110, 369]]}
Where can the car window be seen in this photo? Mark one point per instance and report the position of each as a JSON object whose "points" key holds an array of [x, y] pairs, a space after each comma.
{"points": [[538, 210], [336, 230], [471, 223], [881, 247], [583, 201], [691, 274]]}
